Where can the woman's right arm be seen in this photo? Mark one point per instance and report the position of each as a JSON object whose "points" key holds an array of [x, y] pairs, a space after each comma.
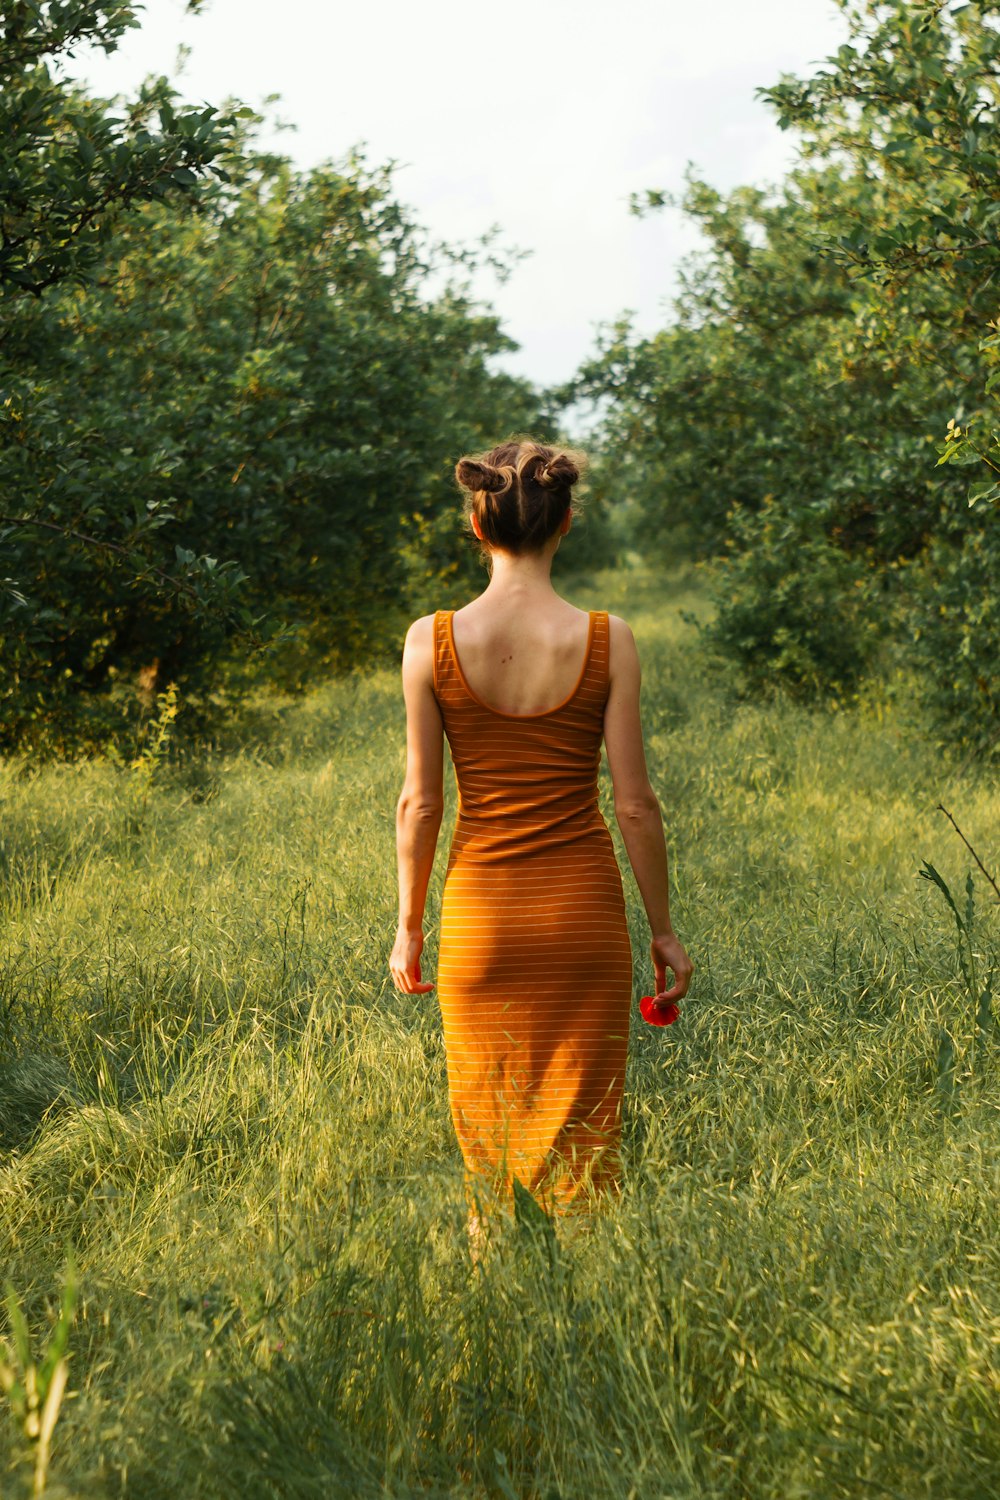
{"points": [[637, 810], [420, 805]]}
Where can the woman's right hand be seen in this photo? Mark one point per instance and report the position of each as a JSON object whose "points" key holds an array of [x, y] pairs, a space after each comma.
{"points": [[667, 952]]}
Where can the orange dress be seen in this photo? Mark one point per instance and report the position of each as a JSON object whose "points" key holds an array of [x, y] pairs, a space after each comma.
{"points": [[534, 972]]}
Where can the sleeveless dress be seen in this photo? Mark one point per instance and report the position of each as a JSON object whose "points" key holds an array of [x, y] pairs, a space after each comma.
{"points": [[534, 972]]}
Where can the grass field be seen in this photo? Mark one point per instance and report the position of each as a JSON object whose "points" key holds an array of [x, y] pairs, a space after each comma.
{"points": [[212, 1095]]}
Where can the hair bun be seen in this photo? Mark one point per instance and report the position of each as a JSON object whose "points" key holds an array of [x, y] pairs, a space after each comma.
{"points": [[475, 475], [560, 472]]}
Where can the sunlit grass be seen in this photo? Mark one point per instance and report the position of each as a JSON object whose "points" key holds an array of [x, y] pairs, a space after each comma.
{"points": [[211, 1092]]}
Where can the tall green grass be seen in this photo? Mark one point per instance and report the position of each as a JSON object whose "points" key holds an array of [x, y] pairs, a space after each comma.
{"points": [[211, 1094]]}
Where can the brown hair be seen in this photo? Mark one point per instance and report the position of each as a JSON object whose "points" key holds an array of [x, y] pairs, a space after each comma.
{"points": [[520, 492]]}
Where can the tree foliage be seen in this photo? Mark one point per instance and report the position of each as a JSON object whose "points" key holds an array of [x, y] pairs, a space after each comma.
{"points": [[232, 422], [833, 357], [67, 166]]}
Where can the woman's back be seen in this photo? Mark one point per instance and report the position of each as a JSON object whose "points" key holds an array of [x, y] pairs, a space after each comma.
{"points": [[527, 781], [523, 654]]}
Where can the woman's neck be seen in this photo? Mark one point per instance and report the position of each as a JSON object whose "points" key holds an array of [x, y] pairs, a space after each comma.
{"points": [[530, 573]]}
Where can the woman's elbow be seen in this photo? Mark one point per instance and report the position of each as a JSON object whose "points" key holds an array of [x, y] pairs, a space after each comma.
{"points": [[637, 808], [419, 807]]}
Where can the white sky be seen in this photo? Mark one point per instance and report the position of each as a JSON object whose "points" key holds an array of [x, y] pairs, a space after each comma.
{"points": [[541, 116]]}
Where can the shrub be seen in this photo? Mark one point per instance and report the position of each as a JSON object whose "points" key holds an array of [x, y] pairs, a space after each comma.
{"points": [[792, 610], [955, 622]]}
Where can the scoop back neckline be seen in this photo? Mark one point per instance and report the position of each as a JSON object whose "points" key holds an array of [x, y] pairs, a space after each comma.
{"points": [[543, 713]]}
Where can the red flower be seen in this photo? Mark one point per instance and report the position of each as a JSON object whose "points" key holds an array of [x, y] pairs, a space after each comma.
{"points": [[658, 1015]]}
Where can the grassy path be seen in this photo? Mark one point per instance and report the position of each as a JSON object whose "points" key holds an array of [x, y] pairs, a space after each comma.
{"points": [[209, 1089]]}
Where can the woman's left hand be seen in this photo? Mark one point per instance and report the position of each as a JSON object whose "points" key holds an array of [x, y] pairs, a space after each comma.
{"points": [[404, 962]]}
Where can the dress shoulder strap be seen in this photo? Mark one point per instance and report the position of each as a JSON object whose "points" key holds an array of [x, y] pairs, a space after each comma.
{"points": [[447, 683], [598, 667]]}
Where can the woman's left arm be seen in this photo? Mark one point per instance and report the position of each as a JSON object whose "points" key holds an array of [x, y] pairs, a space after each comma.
{"points": [[420, 806]]}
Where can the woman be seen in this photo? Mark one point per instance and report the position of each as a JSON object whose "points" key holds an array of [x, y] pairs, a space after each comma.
{"points": [[534, 964]]}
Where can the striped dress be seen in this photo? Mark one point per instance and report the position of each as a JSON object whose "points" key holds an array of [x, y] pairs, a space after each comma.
{"points": [[534, 972]]}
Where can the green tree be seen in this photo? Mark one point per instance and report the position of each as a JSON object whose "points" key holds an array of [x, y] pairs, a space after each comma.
{"points": [[913, 102], [70, 171], [825, 339], [268, 382], [230, 424]]}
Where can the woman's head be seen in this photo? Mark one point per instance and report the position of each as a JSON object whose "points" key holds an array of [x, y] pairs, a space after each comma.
{"points": [[520, 493]]}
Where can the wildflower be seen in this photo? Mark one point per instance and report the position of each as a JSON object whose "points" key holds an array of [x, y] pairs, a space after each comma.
{"points": [[658, 1015]]}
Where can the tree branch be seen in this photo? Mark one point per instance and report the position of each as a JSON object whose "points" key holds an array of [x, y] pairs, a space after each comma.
{"points": [[96, 541], [972, 851]]}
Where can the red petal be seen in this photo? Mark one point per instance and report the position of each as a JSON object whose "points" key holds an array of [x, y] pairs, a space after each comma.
{"points": [[658, 1015]]}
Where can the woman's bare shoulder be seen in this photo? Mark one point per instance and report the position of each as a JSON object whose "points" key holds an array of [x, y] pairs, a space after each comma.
{"points": [[623, 656], [618, 625], [620, 632], [418, 647], [421, 632]]}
